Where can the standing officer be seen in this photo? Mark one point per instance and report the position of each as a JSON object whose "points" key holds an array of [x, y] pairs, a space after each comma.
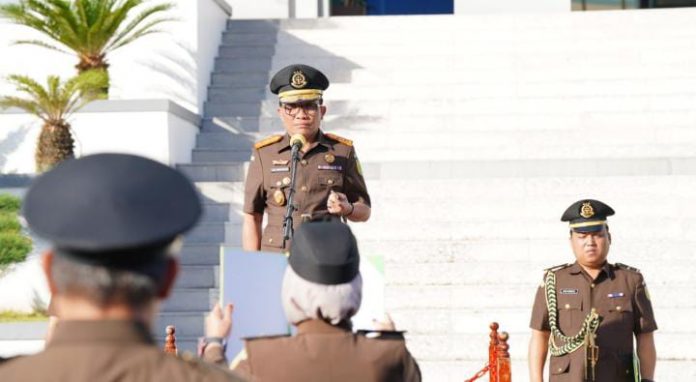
{"points": [[115, 223], [588, 312], [329, 180]]}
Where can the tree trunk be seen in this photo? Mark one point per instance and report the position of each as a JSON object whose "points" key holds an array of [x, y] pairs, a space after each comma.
{"points": [[95, 63], [55, 145]]}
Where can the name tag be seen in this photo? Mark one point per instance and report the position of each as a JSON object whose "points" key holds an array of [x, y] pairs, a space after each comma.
{"points": [[615, 295], [280, 169], [328, 167], [280, 162], [569, 291]]}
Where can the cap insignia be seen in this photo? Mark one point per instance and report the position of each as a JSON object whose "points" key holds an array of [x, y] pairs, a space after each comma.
{"points": [[586, 210], [298, 80]]}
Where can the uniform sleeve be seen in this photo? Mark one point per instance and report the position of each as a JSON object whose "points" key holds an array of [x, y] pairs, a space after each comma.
{"points": [[354, 184], [540, 313], [254, 194], [643, 317], [411, 370]]}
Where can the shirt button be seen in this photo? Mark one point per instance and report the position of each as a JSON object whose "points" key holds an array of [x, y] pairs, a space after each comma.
{"points": [[303, 188], [560, 369], [592, 285], [278, 183], [567, 306], [618, 307], [270, 240], [330, 181], [303, 162]]}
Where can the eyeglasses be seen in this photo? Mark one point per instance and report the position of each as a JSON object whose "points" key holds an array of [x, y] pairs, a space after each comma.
{"points": [[309, 108]]}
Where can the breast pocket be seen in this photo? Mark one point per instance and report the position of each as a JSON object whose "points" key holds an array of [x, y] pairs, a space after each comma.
{"points": [[570, 314], [619, 310], [332, 181]]}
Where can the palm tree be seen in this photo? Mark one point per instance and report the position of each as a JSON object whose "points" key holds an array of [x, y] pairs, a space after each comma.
{"points": [[90, 28], [53, 104]]}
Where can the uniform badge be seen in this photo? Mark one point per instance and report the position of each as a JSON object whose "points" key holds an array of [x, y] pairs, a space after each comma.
{"points": [[286, 181], [279, 197], [327, 167], [280, 169], [329, 158], [615, 295], [298, 80], [586, 210], [280, 162], [569, 291]]}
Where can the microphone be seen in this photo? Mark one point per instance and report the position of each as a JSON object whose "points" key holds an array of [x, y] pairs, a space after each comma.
{"points": [[296, 142]]}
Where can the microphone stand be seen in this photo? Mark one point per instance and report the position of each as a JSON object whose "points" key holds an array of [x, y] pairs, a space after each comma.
{"points": [[287, 220]]}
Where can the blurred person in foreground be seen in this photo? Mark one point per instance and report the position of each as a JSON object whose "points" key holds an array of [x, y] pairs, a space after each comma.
{"points": [[322, 290], [115, 223]]}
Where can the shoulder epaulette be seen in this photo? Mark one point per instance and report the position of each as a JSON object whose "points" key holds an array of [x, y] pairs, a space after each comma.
{"points": [[267, 141], [382, 334], [627, 267], [557, 267], [338, 138], [265, 337]]}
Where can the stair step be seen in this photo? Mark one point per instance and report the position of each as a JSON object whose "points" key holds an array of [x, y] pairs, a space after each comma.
{"points": [[207, 232], [247, 51], [216, 212], [213, 172], [200, 254], [249, 38], [224, 140], [198, 276], [220, 155], [188, 324], [190, 300]]}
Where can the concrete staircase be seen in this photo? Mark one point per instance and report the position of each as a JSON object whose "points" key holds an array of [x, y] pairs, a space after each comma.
{"points": [[476, 132]]}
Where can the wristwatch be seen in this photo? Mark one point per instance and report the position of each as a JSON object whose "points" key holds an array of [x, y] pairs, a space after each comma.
{"points": [[204, 342]]}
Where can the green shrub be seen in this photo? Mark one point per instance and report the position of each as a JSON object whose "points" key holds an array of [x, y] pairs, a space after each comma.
{"points": [[13, 247], [9, 223], [9, 203]]}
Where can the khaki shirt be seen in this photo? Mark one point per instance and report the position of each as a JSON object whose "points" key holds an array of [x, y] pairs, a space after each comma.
{"points": [[107, 351], [620, 296], [330, 164], [323, 352]]}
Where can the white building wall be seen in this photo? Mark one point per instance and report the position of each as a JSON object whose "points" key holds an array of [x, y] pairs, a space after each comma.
{"points": [[158, 130], [174, 65], [511, 6]]}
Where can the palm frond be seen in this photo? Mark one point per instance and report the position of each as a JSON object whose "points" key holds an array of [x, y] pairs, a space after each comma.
{"points": [[41, 44], [25, 104], [26, 84], [137, 21]]}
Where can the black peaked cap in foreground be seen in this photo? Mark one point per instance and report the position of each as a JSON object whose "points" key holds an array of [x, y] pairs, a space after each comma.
{"points": [[325, 253], [298, 82], [103, 207]]}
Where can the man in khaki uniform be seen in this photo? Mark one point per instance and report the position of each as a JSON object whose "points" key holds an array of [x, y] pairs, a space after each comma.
{"points": [[329, 180], [114, 222], [322, 290], [587, 313]]}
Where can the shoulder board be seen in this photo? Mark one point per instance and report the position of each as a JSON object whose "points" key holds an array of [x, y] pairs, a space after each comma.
{"points": [[265, 337], [627, 267], [382, 334], [557, 267], [338, 138], [267, 141]]}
